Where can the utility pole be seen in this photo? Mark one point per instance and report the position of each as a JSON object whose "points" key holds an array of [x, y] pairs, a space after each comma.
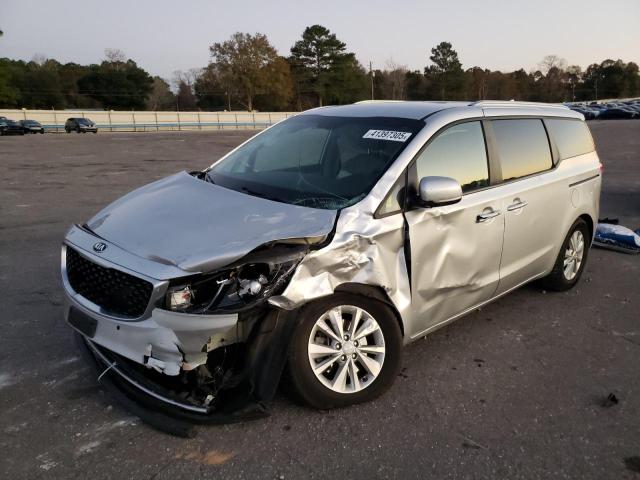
{"points": [[371, 74], [596, 87]]}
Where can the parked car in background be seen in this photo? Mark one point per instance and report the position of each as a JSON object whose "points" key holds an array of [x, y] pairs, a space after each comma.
{"points": [[31, 126], [608, 110], [617, 113], [80, 125], [589, 114], [9, 127]]}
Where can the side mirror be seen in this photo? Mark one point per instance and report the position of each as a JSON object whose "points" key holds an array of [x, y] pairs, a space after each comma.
{"points": [[437, 191]]}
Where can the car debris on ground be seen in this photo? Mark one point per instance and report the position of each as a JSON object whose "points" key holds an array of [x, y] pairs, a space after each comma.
{"points": [[612, 236]]}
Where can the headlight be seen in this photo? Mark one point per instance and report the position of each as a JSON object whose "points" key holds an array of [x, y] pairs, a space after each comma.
{"points": [[233, 289], [179, 298]]}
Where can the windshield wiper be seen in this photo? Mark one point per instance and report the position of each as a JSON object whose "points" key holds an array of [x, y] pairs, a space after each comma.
{"points": [[253, 193], [208, 178]]}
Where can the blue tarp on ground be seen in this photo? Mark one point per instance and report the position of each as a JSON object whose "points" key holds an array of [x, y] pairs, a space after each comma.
{"points": [[617, 237]]}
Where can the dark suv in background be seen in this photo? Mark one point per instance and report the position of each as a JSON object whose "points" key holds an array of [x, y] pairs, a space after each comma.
{"points": [[31, 126], [9, 127], [80, 125]]}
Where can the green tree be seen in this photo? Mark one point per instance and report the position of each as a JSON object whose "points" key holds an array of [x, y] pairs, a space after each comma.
{"points": [[9, 94], [615, 78], [70, 74], [324, 69], [445, 73], [416, 85], [116, 83], [278, 95], [40, 85], [209, 91], [246, 64]]}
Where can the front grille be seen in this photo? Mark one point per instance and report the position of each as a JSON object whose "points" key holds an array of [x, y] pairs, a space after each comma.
{"points": [[115, 291]]}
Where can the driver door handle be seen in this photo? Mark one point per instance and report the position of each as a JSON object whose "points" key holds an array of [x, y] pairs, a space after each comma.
{"points": [[483, 217], [517, 206]]}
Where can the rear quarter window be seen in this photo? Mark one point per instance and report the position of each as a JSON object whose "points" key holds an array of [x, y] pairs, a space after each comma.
{"points": [[523, 147], [572, 137]]}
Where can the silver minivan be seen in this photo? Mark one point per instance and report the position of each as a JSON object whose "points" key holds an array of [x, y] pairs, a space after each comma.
{"points": [[321, 246]]}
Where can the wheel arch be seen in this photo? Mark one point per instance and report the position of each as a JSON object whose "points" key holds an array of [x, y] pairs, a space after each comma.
{"points": [[590, 224], [374, 292]]}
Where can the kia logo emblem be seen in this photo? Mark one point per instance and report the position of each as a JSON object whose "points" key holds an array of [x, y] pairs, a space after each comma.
{"points": [[99, 247]]}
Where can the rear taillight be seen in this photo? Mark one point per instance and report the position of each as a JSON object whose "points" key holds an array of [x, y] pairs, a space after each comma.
{"points": [[601, 168]]}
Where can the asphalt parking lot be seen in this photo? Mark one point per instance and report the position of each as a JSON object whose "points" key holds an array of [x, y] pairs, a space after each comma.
{"points": [[515, 390]]}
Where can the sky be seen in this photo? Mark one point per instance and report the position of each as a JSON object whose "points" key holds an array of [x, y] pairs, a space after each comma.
{"points": [[163, 36]]}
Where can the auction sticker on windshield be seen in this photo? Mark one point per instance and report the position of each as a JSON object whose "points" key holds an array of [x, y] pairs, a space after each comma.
{"points": [[387, 135]]}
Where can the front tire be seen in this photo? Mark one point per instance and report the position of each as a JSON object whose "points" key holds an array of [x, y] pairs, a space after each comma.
{"points": [[571, 259], [345, 350]]}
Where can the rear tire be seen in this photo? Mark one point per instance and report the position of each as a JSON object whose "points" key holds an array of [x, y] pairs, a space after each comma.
{"points": [[357, 366], [571, 259]]}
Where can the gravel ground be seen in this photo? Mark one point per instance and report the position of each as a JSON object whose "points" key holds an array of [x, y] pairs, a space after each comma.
{"points": [[515, 390]]}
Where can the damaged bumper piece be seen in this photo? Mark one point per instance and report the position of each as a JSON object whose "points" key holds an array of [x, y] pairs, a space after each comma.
{"points": [[214, 359], [167, 342], [176, 404], [160, 375]]}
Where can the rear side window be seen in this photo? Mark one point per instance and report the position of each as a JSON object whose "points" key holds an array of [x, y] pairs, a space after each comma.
{"points": [[572, 137], [458, 152], [523, 147]]}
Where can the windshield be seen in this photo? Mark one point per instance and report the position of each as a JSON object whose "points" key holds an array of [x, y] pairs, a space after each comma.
{"points": [[84, 121], [316, 161]]}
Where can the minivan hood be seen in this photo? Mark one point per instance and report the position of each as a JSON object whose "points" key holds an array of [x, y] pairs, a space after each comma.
{"points": [[198, 226]]}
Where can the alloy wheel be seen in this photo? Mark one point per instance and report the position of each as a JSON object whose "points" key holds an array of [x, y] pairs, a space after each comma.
{"points": [[573, 255], [346, 349]]}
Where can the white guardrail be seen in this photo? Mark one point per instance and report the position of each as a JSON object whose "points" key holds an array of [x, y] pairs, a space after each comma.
{"points": [[144, 121]]}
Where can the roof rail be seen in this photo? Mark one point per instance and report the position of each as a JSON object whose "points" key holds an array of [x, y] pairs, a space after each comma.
{"points": [[379, 101], [513, 103]]}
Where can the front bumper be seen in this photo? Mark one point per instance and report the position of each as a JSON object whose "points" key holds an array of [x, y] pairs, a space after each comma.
{"points": [[163, 340], [228, 385], [166, 341]]}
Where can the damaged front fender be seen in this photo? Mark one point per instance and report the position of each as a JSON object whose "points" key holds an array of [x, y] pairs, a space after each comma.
{"points": [[365, 250]]}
